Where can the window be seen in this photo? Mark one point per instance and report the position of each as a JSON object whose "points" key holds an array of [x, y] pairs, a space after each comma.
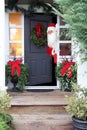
{"points": [[65, 49], [64, 40], [15, 34]]}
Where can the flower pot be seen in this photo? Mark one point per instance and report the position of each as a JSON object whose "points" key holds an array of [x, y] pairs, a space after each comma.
{"points": [[14, 80], [79, 124]]}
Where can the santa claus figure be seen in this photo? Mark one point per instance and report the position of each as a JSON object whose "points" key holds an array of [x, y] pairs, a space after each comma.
{"points": [[52, 48]]}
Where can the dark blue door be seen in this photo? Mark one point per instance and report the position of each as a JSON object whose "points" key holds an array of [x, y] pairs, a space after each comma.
{"points": [[39, 63]]}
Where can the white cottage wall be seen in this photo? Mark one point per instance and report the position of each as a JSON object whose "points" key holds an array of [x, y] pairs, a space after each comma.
{"points": [[2, 45]]}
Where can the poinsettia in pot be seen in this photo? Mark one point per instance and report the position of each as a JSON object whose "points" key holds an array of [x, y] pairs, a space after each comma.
{"points": [[17, 73], [77, 107], [66, 72]]}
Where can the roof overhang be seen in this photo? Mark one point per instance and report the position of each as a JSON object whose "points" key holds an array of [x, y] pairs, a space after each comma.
{"points": [[28, 1]]}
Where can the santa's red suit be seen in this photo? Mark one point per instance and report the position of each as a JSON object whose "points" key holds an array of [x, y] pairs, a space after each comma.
{"points": [[52, 48]]}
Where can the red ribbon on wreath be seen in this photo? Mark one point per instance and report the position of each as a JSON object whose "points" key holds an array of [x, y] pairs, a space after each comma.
{"points": [[67, 68], [15, 66], [38, 30]]}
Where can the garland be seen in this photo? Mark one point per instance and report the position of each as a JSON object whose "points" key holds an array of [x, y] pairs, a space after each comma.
{"points": [[39, 35]]}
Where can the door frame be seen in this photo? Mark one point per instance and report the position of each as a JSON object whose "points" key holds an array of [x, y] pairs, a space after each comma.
{"points": [[7, 51]]}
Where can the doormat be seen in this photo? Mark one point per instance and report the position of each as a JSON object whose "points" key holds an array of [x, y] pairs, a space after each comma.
{"points": [[40, 90]]}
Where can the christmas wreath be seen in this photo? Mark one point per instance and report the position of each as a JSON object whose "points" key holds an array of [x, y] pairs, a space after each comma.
{"points": [[39, 35]]}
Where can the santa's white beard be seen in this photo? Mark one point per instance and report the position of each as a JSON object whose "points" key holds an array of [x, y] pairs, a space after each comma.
{"points": [[51, 38]]}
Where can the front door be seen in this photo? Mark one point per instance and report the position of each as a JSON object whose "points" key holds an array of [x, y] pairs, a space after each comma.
{"points": [[39, 63]]}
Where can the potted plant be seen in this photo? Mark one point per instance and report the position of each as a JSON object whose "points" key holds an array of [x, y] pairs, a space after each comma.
{"points": [[66, 72], [77, 107], [5, 119], [17, 73]]}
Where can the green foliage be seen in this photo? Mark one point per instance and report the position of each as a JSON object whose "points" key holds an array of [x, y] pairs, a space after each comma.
{"points": [[65, 82], [77, 102], [74, 13], [5, 117], [7, 73], [23, 76], [4, 126], [64, 34], [5, 100], [5, 104]]}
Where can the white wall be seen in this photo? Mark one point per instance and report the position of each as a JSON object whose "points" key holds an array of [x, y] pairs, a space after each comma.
{"points": [[6, 37], [82, 71], [2, 45]]}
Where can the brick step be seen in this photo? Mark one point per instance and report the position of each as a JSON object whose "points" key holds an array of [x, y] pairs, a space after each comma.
{"points": [[42, 122]]}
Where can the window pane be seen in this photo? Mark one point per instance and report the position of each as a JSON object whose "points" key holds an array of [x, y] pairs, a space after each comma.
{"points": [[62, 21], [15, 34], [64, 34], [65, 49], [15, 19], [15, 49]]}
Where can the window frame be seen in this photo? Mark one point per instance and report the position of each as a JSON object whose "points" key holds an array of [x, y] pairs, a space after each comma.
{"points": [[15, 41], [60, 58]]}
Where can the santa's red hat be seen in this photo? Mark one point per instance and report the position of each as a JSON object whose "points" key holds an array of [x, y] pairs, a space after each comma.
{"points": [[52, 25]]}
